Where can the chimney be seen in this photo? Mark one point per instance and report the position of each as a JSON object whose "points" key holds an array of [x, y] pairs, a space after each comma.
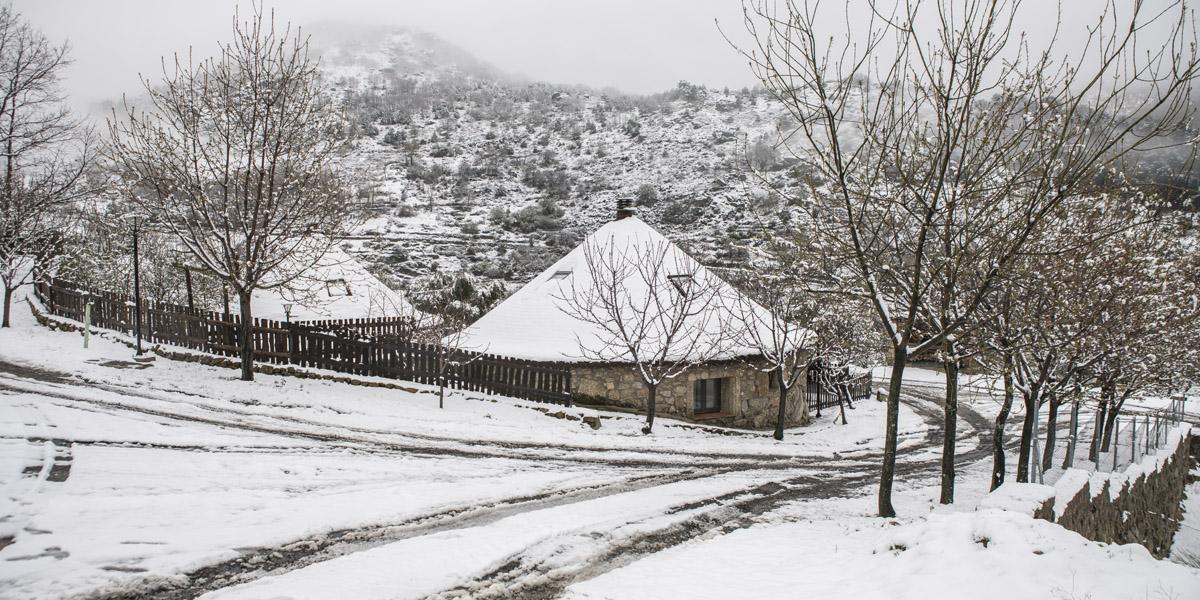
{"points": [[624, 208]]}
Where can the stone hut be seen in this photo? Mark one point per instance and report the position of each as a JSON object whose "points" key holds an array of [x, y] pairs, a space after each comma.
{"points": [[533, 324]]}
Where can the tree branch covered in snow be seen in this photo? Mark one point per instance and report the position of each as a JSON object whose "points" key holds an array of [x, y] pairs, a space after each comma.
{"points": [[656, 309], [44, 153], [939, 141], [234, 156]]}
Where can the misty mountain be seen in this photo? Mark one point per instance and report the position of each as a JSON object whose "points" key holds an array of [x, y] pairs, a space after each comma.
{"points": [[465, 167]]}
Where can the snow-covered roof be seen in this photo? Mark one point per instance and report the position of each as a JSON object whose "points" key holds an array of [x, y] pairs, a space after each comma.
{"points": [[534, 323], [336, 287]]}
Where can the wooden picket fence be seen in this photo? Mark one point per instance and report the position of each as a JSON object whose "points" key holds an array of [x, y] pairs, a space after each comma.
{"points": [[356, 346], [380, 327]]}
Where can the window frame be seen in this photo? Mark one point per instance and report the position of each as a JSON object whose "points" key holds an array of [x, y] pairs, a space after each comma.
{"points": [[340, 282], [682, 282], [707, 388]]}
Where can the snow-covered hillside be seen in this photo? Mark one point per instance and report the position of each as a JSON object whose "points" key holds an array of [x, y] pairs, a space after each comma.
{"points": [[468, 169]]}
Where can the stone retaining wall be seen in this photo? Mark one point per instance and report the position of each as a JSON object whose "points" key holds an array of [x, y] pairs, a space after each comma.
{"points": [[1141, 505]]}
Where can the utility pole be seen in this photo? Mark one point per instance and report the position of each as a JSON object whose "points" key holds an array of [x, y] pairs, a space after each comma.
{"points": [[187, 280], [137, 288], [87, 322]]}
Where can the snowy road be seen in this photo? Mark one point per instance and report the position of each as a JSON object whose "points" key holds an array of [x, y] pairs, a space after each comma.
{"points": [[177, 481]]}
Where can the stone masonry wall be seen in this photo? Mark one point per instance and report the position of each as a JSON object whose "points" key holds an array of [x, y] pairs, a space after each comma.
{"points": [[1146, 511], [1143, 508], [747, 399]]}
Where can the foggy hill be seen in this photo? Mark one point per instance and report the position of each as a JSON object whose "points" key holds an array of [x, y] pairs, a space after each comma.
{"points": [[465, 167]]}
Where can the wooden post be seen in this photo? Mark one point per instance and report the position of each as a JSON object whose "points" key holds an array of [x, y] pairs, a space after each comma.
{"points": [[87, 323], [187, 279]]}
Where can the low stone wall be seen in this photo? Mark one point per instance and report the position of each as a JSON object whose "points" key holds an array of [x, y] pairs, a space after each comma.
{"points": [[748, 400], [1141, 505]]}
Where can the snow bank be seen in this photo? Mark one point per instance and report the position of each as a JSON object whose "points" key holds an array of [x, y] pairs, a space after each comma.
{"points": [[1140, 504], [1024, 498], [990, 554]]}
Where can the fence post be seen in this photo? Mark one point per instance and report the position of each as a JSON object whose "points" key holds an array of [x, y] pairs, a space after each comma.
{"points": [[1116, 443], [1146, 430], [87, 323], [1133, 446], [570, 394], [1035, 462]]}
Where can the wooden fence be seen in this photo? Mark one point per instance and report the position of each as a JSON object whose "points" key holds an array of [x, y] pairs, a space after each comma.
{"points": [[367, 328], [357, 346]]}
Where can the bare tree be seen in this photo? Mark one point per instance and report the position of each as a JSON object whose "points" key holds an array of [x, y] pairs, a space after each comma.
{"points": [[646, 305], [848, 345], [924, 114], [234, 156], [45, 153], [790, 328], [772, 317], [1151, 275]]}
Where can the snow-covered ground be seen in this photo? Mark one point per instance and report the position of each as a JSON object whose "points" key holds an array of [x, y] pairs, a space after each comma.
{"points": [[119, 477], [989, 554], [125, 479]]}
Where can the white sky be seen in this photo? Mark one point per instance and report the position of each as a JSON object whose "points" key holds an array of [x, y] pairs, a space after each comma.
{"points": [[634, 45]]}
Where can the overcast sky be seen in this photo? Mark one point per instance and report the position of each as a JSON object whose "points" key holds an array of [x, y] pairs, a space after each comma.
{"points": [[637, 46]]}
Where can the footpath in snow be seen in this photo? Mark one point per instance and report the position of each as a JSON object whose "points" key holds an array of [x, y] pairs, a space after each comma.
{"points": [[122, 479]]}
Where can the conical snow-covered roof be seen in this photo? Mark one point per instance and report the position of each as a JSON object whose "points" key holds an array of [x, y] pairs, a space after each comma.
{"points": [[336, 287], [535, 322]]}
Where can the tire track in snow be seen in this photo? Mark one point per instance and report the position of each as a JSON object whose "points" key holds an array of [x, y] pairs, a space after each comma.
{"points": [[541, 572], [256, 563], [259, 562], [52, 466], [399, 442]]}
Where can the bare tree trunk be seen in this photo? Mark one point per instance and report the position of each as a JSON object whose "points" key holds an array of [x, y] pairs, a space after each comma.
{"points": [[8, 293], [1098, 429], [888, 470], [651, 407], [783, 392], [998, 459], [247, 334], [1028, 430], [1109, 420], [1051, 435], [843, 393], [949, 431], [1069, 459]]}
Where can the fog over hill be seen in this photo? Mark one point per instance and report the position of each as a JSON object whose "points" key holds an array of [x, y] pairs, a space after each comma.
{"points": [[467, 168]]}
